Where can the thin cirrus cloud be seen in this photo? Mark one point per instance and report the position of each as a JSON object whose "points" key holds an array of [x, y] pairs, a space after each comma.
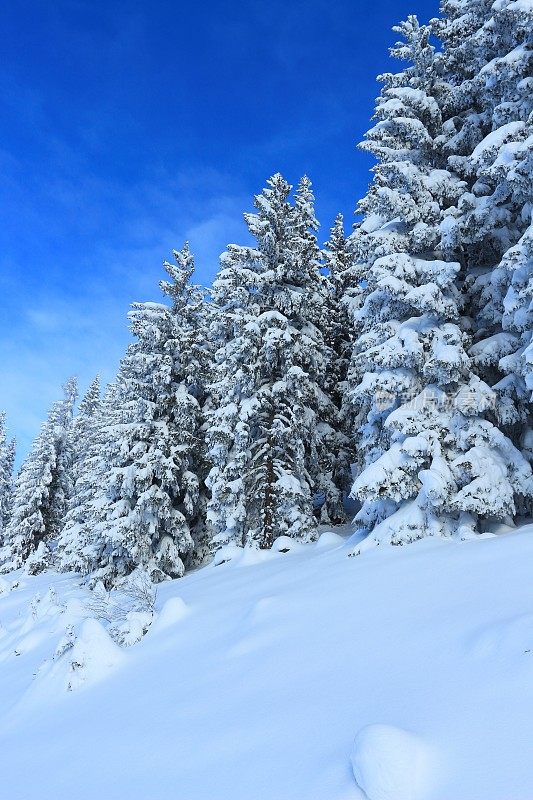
{"points": [[75, 321]]}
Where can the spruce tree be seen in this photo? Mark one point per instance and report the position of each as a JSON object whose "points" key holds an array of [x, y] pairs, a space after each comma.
{"points": [[148, 502], [7, 461], [268, 389], [434, 462], [41, 491], [337, 444], [81, 545], [71, 551], [518, 319], [488, 140]]}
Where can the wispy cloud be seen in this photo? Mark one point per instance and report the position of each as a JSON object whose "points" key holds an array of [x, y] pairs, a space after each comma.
{"points": [[66, 314], [129, 128]]}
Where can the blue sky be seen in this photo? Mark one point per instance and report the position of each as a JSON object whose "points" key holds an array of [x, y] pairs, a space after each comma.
{"points": [[128, 127]]}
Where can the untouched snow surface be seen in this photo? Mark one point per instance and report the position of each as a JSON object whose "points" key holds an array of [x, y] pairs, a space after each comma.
{"points": [[279, 678]]}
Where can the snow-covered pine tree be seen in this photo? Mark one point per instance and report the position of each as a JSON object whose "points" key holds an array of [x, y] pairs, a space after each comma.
{"points": [[518, 319], [268, 388], [514, 25], [7, 461], [488, 62], [230, 422], [329, 472], [63, 484], [71, 553], [82, 547], [41, 491], [149, 498], [434, 462], [338, 262], [193, 353], [338, 332]]}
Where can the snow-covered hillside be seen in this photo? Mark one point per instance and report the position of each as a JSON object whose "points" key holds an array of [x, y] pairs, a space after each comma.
{"points": [[256, 676]]}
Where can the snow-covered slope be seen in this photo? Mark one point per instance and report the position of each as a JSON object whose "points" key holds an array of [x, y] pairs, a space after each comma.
{"points": [[256, 676]]}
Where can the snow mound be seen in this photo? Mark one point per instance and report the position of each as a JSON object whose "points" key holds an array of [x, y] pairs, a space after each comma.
{"points": [[391, 764], [329, 539], [93, 655], [249, 556], [284, 544], [173, 611], [240, 556], [228, 553]]}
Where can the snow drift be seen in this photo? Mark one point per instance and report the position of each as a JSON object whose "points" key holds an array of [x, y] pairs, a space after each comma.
{"points": [[254, 678]]}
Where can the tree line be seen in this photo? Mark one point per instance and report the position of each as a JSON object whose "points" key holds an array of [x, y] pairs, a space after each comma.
{"points": [[394, 363]]}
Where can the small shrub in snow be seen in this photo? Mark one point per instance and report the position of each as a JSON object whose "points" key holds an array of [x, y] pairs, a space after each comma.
{"points": [[39, 560], [129, 612], [92, 655]]}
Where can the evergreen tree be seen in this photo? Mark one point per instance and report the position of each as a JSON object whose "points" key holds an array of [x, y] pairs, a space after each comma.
{"points": [[268, 391], [7, 461], [42, 490], [338, 446], [82, 546], [434, 462], [330, 469], [338, 261], [193, 356], [148, 502], [62, 485], [489, 143], [71, 550], [518, 319]]}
